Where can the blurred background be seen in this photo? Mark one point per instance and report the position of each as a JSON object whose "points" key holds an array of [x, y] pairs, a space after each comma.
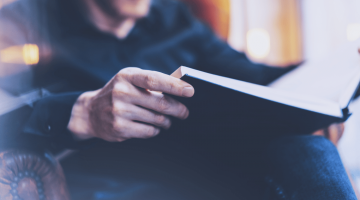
{"points": [[276, 32]]}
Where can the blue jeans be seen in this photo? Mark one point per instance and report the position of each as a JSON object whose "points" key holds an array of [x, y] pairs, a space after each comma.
{"points": [[306, 167], [289, 167]]}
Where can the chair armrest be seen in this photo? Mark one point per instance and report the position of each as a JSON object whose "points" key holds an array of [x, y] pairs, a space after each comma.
{"points": [[31, 175]]}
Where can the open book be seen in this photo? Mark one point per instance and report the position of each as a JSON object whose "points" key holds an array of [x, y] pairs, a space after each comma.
{"points": [[308, 98]]}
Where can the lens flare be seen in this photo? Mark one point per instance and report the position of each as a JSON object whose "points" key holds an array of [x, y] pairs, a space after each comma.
{"points": [[27, 54]]}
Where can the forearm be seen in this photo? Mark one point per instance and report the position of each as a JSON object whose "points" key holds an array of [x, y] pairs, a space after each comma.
{"points": [[232, 64], [50, 117], [217, 57]]}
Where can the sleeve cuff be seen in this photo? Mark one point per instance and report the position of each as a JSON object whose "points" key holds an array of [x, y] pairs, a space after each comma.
{"points": [[50, 118]]}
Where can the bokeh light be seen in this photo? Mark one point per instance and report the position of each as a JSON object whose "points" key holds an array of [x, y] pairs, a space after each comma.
{"points": [[27, 54], [258, 43], [31, 54]]}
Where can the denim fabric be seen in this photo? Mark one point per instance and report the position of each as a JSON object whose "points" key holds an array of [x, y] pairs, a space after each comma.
{"points": [[306, 167], [294, 167]]}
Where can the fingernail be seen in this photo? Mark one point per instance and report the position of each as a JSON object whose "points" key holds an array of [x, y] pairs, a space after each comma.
{"points": [[168, 124], [186, 114], [188, 91], [157, 131]]}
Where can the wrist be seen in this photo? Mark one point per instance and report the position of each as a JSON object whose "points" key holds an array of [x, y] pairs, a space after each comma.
{"points": [[79, 123]]}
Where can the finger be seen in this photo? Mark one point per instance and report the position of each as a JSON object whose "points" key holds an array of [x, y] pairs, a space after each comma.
{"points": [[135, 113], [128, 129], [157, 81], [161, 103]]}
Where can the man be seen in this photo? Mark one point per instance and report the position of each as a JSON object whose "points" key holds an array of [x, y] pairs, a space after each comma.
{"points": [[93, 44]]}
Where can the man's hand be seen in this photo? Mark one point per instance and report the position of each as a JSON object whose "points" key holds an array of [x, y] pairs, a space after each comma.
{"points": [[333, 132], [127, 108]]}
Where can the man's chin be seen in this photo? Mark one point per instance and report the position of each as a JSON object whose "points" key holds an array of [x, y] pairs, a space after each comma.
{"points": [[132, 9], [135, 15]]}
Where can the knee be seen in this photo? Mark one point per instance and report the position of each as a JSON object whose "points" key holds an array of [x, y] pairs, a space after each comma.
{"points": [[301, 151], [301, 145], [307, 165], [31, 175]]}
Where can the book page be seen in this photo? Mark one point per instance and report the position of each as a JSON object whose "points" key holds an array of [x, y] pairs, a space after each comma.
{"points": [[334, 77]]}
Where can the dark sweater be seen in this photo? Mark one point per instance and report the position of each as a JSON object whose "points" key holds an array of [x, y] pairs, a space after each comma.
{"points": [[84, 59]]}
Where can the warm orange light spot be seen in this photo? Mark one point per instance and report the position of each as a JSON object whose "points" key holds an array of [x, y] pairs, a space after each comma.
{"points": [[12, 54], [258, 43], [27, 54], [30, 54]]}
